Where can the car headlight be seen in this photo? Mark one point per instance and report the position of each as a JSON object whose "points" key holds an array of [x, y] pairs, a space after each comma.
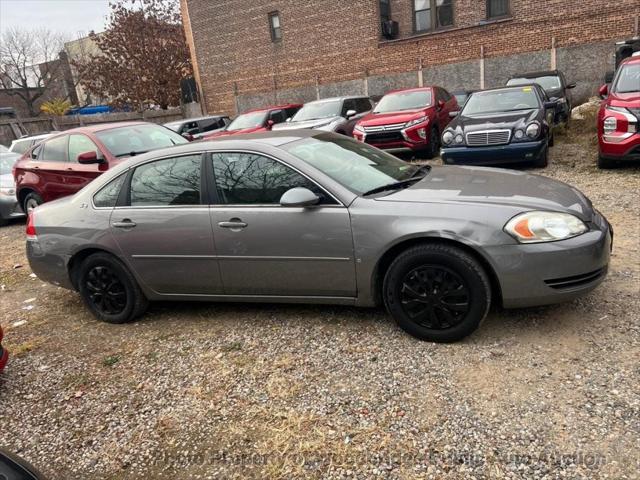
{"points": [[610, 125], [447, 137], [359, 128], [416, 121], [536, 227], [533, 129]]}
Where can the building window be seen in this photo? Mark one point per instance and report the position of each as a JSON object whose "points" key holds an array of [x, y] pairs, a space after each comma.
{"points": [[385, 10], [497, 8], [432, 14], [274, 25]]}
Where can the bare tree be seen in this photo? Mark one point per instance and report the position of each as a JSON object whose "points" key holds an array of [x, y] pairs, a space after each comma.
{"points": [[29, 59]]}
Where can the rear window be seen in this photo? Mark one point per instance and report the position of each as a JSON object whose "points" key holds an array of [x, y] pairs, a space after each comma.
{"points": [[137, 139]]}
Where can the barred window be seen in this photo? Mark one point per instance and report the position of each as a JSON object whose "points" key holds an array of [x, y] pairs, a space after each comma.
{"points": [[432, 14], [497, 8]]}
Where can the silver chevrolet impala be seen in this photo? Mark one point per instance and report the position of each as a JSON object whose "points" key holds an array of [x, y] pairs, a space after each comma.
{"points": [[316, 217]]}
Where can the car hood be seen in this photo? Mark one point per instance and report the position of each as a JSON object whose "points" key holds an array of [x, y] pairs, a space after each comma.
{"points": [[498, 120], [389, 118], [319, 122], [482, 185], [629, 99]]}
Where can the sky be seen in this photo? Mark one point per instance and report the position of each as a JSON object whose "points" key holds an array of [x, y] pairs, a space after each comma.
{"points": [[73, 18]]}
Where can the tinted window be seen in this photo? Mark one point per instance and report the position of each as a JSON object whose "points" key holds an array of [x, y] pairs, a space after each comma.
{"points": [[349, 104], [107, 197], [292, 111], [126, 141], [278, 116], [172, 181], [55, 150], [363, 105], [250, 179], [80, 144]]}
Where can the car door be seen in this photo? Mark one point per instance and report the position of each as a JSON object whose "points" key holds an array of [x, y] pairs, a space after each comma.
{"points": [[52, 168], [78, 175], [267, 249], [163, 227]]}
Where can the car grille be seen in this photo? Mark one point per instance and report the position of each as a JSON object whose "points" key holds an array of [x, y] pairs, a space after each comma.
{"points": [[384, 137], [488, 137], [384, 128], [575, 281]]}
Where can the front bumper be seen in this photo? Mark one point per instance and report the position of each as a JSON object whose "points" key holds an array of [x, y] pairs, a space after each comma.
{"points": [[9, 207], [553, 272], [491, 155], [628, 149]]}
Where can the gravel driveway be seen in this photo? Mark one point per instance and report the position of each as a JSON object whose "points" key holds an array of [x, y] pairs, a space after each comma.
{"points": [[269, 391]]}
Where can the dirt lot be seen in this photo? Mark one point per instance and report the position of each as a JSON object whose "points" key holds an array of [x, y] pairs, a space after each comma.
{"points": [[264, 391]]}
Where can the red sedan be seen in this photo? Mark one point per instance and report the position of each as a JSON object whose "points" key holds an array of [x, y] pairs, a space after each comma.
{"points": [[64, 163], [258, 120]]}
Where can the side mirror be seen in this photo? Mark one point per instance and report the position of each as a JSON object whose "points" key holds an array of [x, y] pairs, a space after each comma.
{"points": [[454, 114], [270, 123], [440, 104], [188, 136], [351, 114], [571, 85], [89, 158], [603, 91], [299, 197]]}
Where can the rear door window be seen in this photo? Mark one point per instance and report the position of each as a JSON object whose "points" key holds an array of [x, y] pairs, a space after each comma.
{"points": [[55, 150], [167, 182], [363, 105], [107, 197]]}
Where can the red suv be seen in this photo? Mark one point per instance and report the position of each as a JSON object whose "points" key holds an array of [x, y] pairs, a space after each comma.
{"points": [[619, 115], [64, 163], [408, 120], [258, 120]]}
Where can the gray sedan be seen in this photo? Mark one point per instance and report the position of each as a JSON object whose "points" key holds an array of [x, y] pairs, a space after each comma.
{"points": [[316, 217]]}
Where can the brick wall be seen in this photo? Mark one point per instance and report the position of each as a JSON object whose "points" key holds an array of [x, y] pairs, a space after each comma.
{"points": [[337, 43]]}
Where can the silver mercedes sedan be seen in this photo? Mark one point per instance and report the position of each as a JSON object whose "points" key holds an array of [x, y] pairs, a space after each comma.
{"points": [[316, 217]]}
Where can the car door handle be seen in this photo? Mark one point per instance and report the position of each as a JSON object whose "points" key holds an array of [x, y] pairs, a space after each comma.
{"points": [[233, 223], [126, 223]]}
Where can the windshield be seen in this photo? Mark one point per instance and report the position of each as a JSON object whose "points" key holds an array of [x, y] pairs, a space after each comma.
{"points": [[628, 79], [6, 163], [132, 140], [501, 101], [316, 110], [354, 165], [248, 120], [395, 102], [174, 126], [551, 82]]}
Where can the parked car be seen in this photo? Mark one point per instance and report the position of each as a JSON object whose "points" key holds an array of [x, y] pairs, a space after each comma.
{"points": [[13, 467], [501, 126], [258, 120], [555, 86], [461, 96], [3, 149], [23, 144], [339, 114], [66, 162], [4, 353], [312, 216], [619, 116], [9, 207], [408, 120], [194, 128]]}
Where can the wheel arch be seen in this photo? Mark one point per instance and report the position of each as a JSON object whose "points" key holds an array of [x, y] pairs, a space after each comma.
{"points": [[23, 192], [78, 257], [387, 258]]}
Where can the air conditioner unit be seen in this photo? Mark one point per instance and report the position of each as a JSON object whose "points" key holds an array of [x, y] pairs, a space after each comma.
{"points": [[390, 29]]}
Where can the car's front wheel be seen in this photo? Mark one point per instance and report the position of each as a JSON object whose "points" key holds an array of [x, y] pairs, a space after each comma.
{"points": [[109, 290], [437, 292]]}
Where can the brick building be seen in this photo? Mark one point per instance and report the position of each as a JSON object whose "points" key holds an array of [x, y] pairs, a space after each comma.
{"points": [[254, 52]]}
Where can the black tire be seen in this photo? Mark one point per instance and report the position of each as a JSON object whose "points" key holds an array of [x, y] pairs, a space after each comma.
{"points": [[434, 144], [543, 160], [3, 221], [605, 163], [552, 140], [414, 281], [31, 201], [109, 290]]}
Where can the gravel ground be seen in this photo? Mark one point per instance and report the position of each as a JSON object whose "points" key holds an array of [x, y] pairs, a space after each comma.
{"points": [[261, 391]]}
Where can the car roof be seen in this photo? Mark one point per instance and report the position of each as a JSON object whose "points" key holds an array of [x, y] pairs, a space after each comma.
{"points": [[511, 87], [99, 127], [541, 73], [333, 99], [413, 89], [276, 107], [35, 137]]}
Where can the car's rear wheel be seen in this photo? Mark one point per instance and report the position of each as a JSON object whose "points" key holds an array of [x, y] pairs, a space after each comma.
{"points": [[31, 201], [437, 292], [109, 290]]}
